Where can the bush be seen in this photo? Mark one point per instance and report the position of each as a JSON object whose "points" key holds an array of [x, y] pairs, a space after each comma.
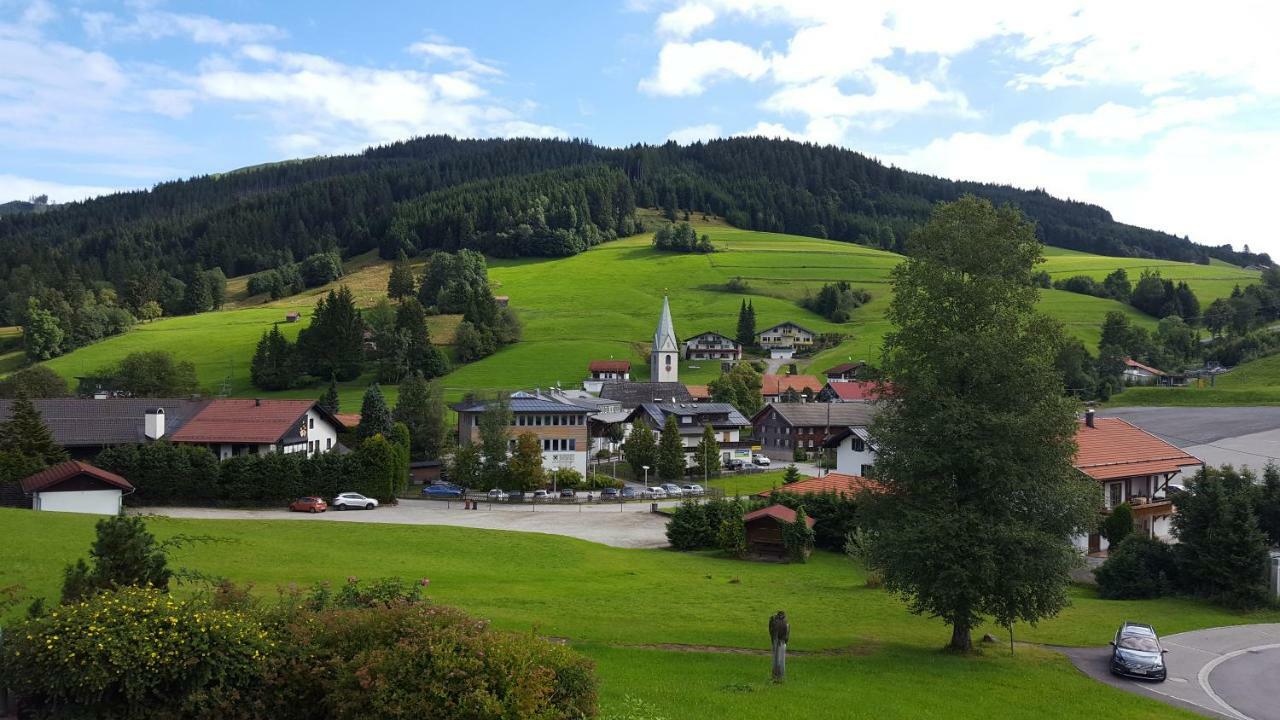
{"points": [[1137, 568], [1117, 525], [599, 481], [834, 515], [688, 528], [123, 554], [798, 537], [732, 536]]}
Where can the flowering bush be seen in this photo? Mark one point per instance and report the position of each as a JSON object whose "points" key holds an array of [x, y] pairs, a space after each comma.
{"points": [[136, 652]]}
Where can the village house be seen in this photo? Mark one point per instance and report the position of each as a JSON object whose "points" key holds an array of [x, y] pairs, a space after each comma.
{"points": [[247, 426], [75, 486], [561, 428], [609, 369], [1135, 373], [851, 391], [730, 426], [86, 426], [699, 393], [773, 387], [631, 395], [786, 335], [782, 428], [712, 346], [1131, 466], [854, 448], [844, 372]]}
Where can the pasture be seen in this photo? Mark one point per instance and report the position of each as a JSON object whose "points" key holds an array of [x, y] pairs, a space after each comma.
{"points": [[675, 630]]}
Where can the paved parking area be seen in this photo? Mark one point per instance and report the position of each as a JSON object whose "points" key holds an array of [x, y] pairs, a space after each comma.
{"points": [[629, 525], [1239, 436], [1226, 672]]}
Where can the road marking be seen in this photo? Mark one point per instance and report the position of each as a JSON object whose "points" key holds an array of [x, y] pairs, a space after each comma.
{"points": [[1209, 668]]}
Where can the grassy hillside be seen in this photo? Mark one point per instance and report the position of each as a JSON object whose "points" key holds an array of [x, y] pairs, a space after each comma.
{"points": [[1253, 383], [669, 628], [604, 303]]}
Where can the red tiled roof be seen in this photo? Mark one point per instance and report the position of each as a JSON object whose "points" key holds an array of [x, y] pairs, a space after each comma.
{"points": [[699, 392], [243, 420], [1135, 364], [778, 384], [838, 483], [60, 473], [781, 513], [610, 366], [858, 389], [348, 420], [1114, 448]]}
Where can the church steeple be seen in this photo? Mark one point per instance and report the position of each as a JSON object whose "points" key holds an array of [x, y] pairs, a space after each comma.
{"points": [[664, 359]]}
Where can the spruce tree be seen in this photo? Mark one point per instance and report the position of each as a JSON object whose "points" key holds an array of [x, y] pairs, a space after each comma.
{"points": [[1221, 552], [334, 341], [746, 331], [124, 553], [640, 449], [329, 400], [707, 456], [274, 365], [375, 416], [792, 475], [421, 409], [26, 435], [400, 284], [671, 459]]}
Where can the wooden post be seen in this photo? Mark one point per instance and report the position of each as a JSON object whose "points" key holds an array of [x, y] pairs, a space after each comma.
{"points": [[779, 634]]}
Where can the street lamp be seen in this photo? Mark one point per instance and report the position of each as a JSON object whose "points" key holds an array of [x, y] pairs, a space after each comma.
{"points": [[646, 475]]}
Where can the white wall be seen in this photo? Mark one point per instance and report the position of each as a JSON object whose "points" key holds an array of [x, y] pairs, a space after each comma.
{"points": [[849, 461], [98, 502], [323, 432], [566, 460]]}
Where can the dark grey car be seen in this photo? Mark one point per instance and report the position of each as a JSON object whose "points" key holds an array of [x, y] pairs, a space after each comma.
{"points": [[1136, 653]]}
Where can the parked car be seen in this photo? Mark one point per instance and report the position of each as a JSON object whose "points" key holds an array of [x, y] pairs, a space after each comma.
{"points": [[498, 495], [350, 500], [655, 493], [543, 495], [672, 489], [568, 495], [517, 496], [308, 504], [693, 490], [1136, 653], [443, 491], [610, 494], [761, 460], [630, 493]]}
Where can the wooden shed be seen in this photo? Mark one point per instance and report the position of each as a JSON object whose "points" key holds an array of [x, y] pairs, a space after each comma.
{"points": [[764, 531]]}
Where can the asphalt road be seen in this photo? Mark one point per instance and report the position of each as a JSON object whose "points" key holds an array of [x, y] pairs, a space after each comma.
{"points": [[1227, 672], [629, 526], [1239, 436]]}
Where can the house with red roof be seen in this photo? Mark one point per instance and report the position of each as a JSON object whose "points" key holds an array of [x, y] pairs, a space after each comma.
{"points": [[773, 386], [838, 483], [1135, 373], [852, 391], [844, 372], [248, 426], [1131, 466], [75, 486]]}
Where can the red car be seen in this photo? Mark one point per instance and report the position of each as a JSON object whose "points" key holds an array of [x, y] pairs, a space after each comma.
{"points": [[309, 504]]}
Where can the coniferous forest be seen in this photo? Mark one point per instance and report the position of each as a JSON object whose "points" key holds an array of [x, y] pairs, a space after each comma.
{"points": [[166, 250]]}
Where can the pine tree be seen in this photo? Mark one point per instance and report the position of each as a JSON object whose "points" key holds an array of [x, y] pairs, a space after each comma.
{"points": [[400, 284], [751, 323], [274, 365], [1221, 552], [124, 553], [375, 416], [26, 435], [671, 458], [792, 475], [421, 409], [746, 328], [640, 449], [333, 343], [329, 400], [707, 456]]}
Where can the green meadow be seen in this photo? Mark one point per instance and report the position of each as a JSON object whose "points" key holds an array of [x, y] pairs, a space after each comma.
{"points": [[678, 631], [1252, 383], [604, 303]]}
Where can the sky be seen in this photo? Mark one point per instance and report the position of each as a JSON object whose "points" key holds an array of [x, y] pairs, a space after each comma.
{"points": [[1167, 113]]}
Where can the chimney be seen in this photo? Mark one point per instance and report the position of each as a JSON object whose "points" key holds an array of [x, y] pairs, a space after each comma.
{"points": [[257, 402], [1088, 417], [153, 424]]}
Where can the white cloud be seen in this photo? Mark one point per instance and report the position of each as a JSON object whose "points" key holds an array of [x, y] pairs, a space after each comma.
{"points": [[694, 133], [14, 187], [771, 130], [686, 68], [685, 20], [454, 54], [155, 25]]}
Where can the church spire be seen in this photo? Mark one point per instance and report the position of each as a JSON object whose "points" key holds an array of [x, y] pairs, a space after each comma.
{"points": [[664, 359]]}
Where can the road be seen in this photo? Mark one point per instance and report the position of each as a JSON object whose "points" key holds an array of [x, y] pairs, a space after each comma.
{"points": [[1239, 436], [630, 525], [1227, 672]]}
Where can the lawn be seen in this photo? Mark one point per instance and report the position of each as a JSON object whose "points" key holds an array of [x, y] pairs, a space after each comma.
{"points": [[1254, 383], [748, 483], [660, 623], [604, 303]]}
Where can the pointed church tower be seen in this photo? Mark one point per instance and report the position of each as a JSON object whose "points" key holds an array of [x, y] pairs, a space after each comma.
{"points": [[664, 359]]}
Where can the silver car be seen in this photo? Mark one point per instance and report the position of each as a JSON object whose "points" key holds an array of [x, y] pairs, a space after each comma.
{"points": [[353, 501], [672, 490]]}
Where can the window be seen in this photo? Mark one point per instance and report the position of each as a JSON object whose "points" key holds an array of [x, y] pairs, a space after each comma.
{"points": [[1115, 494], [328, 443], [311, 423], [866, 470], [856, 443]]}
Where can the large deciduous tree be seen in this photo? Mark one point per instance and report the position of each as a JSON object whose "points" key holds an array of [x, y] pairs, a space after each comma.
{"points": [[980, 497]]}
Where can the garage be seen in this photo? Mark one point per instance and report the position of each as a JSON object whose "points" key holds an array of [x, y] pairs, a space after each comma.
{"points": [[77, 487]]}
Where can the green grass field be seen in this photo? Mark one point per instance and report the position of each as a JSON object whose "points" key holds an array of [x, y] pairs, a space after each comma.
{"points": [[604, 303], [1252, 383], [749, 483], [669, 628]]}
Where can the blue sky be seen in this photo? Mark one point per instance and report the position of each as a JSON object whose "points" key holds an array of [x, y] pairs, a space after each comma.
{"points": [[1165, 113]]}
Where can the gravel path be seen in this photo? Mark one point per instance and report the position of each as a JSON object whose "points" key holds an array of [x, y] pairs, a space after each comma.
{"points": [[626, 526]]}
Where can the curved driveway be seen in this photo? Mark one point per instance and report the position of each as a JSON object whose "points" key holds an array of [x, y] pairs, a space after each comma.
{"points": [[1227, 672]]}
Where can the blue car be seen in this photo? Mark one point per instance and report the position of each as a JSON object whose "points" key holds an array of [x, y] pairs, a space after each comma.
{"points": [[443, 491]]}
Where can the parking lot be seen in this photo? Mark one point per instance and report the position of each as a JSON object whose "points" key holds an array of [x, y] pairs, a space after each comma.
{"points": [[627, 525]]}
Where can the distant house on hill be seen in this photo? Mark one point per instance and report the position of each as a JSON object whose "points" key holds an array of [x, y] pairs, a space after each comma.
{"points": [[1135, 373], [712, 346], [772, 387], [700, 393], [502, 300], [785, 335], [292, 316], [609, 369], [844, 372]]}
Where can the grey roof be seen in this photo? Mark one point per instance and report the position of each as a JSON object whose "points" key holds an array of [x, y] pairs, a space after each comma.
{"points": [[85, 422], [834, 439], [658, 412], [584, 400], [522, 403], [664, 337], [822, 414], [797, 325], [631, 394]]}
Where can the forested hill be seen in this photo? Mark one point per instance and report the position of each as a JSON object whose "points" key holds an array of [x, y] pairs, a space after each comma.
{"points": [[505, 197]]}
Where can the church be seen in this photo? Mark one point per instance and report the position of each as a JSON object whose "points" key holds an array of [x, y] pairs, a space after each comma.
{"points": [[664, 371], [664, 358]]}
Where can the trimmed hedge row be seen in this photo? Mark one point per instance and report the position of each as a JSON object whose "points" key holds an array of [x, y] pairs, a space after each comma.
{"points": [[164, 473]]}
